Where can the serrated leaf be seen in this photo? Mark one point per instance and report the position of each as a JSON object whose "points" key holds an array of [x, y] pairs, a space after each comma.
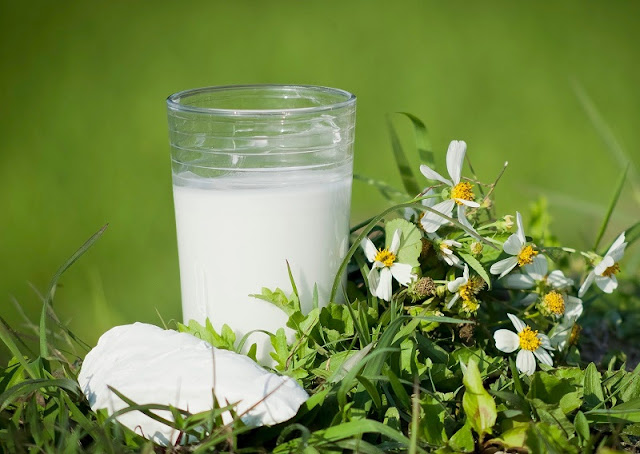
{"points": [[477, 267], [410, 240]]}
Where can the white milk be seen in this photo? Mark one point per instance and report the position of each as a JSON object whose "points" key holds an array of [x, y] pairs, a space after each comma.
{"points": [[235, 238]]}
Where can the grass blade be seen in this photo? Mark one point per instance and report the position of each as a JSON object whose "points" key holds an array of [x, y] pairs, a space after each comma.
{"points": [[29, 386], [612, 205], [408, 178], [44, 349], [423, 144]]}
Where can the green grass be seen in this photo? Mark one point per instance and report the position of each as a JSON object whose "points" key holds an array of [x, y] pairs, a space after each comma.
{"points": [[84, 138]]}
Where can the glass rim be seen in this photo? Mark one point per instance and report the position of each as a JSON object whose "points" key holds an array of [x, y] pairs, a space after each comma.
{"points": [[173, 101]]}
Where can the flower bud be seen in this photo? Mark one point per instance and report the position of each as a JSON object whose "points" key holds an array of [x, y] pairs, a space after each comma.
{"points": [[421, 289], [476, 248], [505, 224]]}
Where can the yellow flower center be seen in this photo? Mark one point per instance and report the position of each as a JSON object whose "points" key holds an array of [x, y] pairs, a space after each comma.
{"points": [[470, 306], [469, 290], [554, 302], [462, 191], [612, 270], [529, 339], [526, 255], [386, 257], [575, 334]]}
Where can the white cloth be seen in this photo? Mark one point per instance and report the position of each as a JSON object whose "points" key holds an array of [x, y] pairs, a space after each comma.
{"points": [[148, 364]]}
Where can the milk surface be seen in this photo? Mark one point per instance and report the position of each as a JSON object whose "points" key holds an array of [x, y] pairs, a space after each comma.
{"points": [[236, 234]]}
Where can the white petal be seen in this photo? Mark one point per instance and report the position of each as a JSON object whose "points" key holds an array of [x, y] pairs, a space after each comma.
{"points": [[374, 279], [513, 245], [452, 243], [432, 221], [504, 266], [573, 308], [465, 273], [543, 356], [462, 218], [506, 341], [617, 244], [469, 203], [395, 242], [455, 285], [370, 250], [433, 175], [452, 301], [530, 298], [518, 324], [617, 254], [455, 159], [431, 198], [520, 231], [607, 284], [402, 273], [558, 280], [518, 281], [603, 265], [586, 284], [526, 362], [383, 290], [538, 268], [560, 335], [544, 341]]}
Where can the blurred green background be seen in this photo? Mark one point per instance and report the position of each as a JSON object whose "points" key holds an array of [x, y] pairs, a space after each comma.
{"points": [[84, 135]]}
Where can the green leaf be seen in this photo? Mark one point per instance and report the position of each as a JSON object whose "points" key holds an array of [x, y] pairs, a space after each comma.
{"points": [[462, 440], [477, 403], [477, 267], [593, 395], [432, 420], [545, 438], [555, 391], [612, 205], [582, 426], [423, 144], [410, 240], [408, 178]]}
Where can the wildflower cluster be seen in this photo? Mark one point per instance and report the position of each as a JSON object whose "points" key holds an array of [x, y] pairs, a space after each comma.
{"points": [[473, 264]]}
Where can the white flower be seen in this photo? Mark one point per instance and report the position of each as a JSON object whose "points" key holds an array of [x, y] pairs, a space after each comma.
{"points": [[385, 267], [456, 285], [461, 193], [605, 272], [150, 365], [564, 333], [516, 246], [536, 273], [532, 345], [445, 248], [554, 296]]}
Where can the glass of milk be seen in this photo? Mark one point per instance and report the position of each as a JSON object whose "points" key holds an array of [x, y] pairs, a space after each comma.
{"points": [[261, 179]]}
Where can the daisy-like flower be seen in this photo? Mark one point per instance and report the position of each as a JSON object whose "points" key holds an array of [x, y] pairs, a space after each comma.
{"points": [[466, 288], [516, 246], [385, 266], [461, 191], [564, 334], [445, 249], [551, 286], [532, 345], [604, 273], [536, 273]]}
